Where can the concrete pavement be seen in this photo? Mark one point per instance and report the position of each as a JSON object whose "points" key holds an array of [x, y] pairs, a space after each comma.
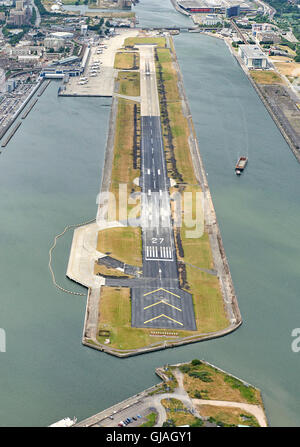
{"points": [[103, 83]]}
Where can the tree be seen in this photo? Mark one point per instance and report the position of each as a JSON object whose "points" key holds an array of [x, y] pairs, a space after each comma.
{"points": [[169, 423], [196, 362], [197, 423]]}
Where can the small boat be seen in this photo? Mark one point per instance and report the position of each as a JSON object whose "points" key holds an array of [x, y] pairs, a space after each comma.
{"points": [[65, 422], [241, 164]]}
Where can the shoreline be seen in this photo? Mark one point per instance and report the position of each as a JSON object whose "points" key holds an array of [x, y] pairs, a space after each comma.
{"points": [[140, 397], [265, 102], [295, 150]]}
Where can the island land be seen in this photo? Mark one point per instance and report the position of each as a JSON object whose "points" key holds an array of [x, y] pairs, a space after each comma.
{"points": [[152, 283]]}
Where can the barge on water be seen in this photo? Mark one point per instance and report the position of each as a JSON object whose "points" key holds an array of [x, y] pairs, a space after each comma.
{"points": [[241, 164]]}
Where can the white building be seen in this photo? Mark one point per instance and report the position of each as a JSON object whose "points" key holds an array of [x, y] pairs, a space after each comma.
{"points": [[211, 19], [2, 80], [253, 56], [25, 50], [53, 42], [83, 30], [62, 35]]}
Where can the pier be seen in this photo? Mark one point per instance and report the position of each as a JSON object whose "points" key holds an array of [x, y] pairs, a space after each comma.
{"points": [[29, 109], [11, 134]]}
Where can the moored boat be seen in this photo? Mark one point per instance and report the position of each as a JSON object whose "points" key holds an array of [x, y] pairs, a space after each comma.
{"points": [[241, 164]]}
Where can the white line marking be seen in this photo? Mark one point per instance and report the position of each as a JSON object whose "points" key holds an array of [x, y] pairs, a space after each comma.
{"points": [[156, 254], [164, 252], [147, 251]]}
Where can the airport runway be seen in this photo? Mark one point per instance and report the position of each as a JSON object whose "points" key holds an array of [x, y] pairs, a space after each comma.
{"points": [[157, 300]]}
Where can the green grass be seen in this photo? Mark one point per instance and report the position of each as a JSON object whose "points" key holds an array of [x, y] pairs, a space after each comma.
{"points": [[126, 60], [247, 392], [197, 251], [182, 417], [115, 316], [227, 416], [151, 420], [131, 41], [220, 385], [123, 243], [208, 301], [129, 83], [266, 77]]}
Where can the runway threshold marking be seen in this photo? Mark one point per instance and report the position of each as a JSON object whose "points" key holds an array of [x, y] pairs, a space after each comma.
{"points": [[163, 316], [165, 290], [164, 302]]}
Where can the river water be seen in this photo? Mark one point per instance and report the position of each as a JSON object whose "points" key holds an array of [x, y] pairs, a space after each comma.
{"points": [[49, 178]]}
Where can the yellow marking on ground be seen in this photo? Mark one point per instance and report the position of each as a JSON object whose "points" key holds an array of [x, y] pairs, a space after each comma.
{"points": [[164, 302], [165, 290], [160, 316]]}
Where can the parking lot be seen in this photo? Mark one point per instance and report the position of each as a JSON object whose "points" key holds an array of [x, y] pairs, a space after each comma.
{"points": [[133, 411], [99, 81]]}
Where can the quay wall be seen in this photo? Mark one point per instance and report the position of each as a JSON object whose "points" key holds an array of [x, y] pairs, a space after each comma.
{"points": [[268, 106], [19, 110]]}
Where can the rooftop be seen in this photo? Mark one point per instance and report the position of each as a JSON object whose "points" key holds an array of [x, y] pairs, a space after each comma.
{"points": [[253, 51]]}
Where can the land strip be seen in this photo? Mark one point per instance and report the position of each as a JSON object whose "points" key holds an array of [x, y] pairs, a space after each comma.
{"points": [[212, 319]]}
